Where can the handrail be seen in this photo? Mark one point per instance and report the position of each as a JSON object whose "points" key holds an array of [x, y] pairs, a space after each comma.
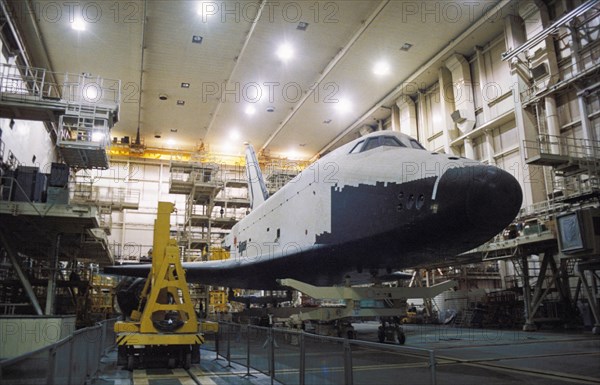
{"points": [[75, 88], [97, 348], [538, 38], [224, 349], [18, 185]]}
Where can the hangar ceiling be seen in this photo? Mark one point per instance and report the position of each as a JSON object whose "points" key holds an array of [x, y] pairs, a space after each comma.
{"points": [[227, 52]]}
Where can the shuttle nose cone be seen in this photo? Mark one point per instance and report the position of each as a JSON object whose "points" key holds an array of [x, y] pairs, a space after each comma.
{"points": [[493, 198], [479, 200]]}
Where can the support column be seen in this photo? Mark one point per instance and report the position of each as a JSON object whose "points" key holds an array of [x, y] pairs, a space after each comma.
{"points": [[446, 109], [422, 115], [552, 122], [529, 325], [502, 271], [489, 147], [51, 290], [586, 126], [487, 115], [575, 49], [22, 277], [469, 149], [395, 118], [407, 116], [534, 190], [591, 300]]}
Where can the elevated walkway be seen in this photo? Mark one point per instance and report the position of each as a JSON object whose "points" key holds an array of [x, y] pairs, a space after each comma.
{"points": [[84, 107], [568, 156], [32, 225], [575, 166]]}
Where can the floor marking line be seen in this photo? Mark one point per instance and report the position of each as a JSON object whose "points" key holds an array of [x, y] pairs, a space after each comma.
{"points": [[546, 374]]}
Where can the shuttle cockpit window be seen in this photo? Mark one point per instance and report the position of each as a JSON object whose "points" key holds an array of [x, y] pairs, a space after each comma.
{"points": [[390, 141], [378, 141], [416, 145], [356, 148]]}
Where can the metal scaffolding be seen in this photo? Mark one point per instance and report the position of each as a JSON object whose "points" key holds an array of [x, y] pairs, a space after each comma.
{"points": [[84, 108]]}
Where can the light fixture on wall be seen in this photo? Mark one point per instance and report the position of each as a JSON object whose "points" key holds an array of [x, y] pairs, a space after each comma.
{"points": [[457, 117]]}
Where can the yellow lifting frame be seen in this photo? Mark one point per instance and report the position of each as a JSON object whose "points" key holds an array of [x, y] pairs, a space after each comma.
{"points": [[166, 288]]}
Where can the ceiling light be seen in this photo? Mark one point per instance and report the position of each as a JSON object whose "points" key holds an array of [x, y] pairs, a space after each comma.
{"points": [[163, 96], [90, 92], [381, 68], [226, 148], [78, 24], [250, 110], [157, 136], [234, 135], [285, 52], [327, 121], [170, 142], [343, 105], [185, 85], [292, 155], [181, 102], [405, 47], [173, 130], [207, 8], [197, 39], [270, 109]]}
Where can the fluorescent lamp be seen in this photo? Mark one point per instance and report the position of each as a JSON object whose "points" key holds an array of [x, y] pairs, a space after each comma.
{"points": [[285, 52], [381, 68], [78, 24]]}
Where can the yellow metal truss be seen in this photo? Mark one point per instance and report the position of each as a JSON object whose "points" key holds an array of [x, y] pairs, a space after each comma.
{"points": [[166, 295]]}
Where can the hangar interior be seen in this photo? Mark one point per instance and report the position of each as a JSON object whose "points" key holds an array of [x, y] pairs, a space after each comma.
{"points": [[107, 108]]}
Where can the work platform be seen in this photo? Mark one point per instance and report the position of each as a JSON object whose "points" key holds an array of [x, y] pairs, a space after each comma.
{"points": [[31, 228], [81, 108]]}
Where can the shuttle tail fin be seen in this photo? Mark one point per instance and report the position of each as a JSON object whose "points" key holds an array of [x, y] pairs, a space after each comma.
{"points": [[258, 189]]}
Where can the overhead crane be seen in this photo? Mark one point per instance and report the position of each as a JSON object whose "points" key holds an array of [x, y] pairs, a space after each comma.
{"points": [[164, 327]]}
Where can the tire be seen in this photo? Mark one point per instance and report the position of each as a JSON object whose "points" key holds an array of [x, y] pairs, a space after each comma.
{"points": [[401, 338], [130, 362]]}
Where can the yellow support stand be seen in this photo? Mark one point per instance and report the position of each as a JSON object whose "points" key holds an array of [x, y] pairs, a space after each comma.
{"points": [[168, 317]]}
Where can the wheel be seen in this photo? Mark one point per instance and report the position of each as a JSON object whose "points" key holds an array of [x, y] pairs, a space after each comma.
{"points": [[195, 354], [187, 363], [122, 356], [395, 336], [401, 338], [130, 362]]}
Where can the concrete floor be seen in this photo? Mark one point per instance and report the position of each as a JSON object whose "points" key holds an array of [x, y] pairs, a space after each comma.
{"points": [[463, 356], [209, 372], [476, 356]]}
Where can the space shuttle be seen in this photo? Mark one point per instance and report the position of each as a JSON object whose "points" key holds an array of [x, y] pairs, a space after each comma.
{"points": [[370, 208]]}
